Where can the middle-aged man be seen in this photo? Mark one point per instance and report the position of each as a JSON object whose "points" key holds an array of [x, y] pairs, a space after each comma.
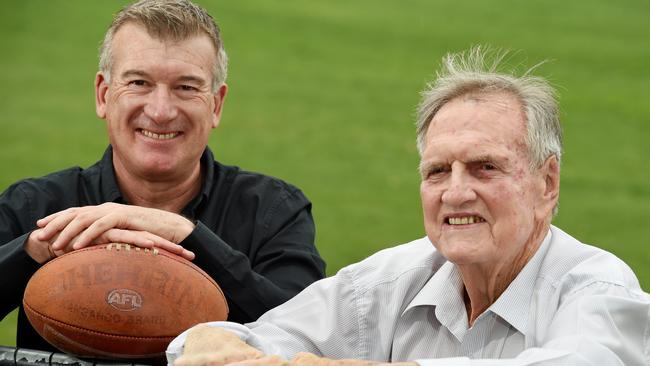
{"points": [[160, 89], [492, 283]]}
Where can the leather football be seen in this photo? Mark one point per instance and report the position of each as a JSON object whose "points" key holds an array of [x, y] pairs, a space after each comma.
{"points": [[118, 301]]}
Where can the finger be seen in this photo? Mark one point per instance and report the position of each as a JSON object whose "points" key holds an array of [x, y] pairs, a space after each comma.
{"points": [[264, 361], [76, 228], [142, 239], [209, 359], [169, 246], [203, 359], [306, 358], [56, 224], [137, 238], [47, 219], [99, 227]]}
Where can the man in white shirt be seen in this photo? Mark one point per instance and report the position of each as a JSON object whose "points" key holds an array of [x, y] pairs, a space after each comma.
{"points": [[492, 283]]}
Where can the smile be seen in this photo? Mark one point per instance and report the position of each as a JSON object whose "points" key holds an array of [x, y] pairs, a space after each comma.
{"points": [[159, 136], [464, 220]]}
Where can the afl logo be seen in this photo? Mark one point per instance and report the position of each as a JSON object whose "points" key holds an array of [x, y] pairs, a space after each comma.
{"points": [[124, 299]]}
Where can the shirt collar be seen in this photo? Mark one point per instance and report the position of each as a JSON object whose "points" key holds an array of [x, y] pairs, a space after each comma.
{"points": [[111, 191], [108, 182], [208, 167], [514, 303], [445, 288]]}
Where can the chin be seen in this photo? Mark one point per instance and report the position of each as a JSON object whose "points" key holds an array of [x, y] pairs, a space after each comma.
{"points": [[158, 168], [460, 252]]}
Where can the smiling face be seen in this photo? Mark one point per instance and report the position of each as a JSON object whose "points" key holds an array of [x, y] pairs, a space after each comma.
{"points": [[483, 204], [159, 106]]}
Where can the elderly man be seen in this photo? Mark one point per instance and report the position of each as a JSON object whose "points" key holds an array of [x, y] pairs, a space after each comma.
{"points": [[160, 89], [492, 283]]}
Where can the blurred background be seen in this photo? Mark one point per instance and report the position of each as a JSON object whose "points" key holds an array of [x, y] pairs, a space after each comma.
{"points": [[323, 93]]}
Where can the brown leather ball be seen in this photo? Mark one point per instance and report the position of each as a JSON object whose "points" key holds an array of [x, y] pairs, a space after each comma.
{"points": [[118, 301]]}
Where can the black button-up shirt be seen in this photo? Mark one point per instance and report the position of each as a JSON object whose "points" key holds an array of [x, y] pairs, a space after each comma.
{"points": [[254, 234]]}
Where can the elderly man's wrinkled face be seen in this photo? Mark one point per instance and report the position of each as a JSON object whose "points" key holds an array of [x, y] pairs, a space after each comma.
{"points": [[483, 204], [159, 105]]}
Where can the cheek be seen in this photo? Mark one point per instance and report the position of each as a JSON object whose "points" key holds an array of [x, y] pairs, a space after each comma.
{"points": [[430, 207], [514, 211], [430, 198], [119, 109]]}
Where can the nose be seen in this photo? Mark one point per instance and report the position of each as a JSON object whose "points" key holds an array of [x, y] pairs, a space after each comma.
{"points": [[160, 105], [459, 190]]}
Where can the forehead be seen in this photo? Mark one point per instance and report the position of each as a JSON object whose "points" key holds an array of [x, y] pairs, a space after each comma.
{"points": [[133, 47], [477, 124]]}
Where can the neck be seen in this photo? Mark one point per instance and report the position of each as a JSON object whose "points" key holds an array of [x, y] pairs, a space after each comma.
{"points": [[484, 285], [171, 194]]}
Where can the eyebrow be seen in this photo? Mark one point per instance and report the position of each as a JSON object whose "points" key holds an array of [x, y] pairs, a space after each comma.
{"points": [[128, 73], [426, 165], [192, 79], [183, 78]]}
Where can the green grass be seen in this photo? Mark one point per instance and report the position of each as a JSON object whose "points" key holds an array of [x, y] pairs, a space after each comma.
{"points": [[322, 94]]}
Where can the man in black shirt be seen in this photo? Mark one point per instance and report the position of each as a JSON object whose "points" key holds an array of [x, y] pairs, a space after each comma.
{"points": [[160, 89]]}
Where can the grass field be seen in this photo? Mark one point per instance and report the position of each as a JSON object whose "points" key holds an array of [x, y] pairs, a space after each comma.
{"points": [[322, 94]]}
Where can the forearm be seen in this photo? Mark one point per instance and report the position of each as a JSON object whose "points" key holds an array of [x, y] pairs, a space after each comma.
{"points": [[17, 268], [252, 286]]}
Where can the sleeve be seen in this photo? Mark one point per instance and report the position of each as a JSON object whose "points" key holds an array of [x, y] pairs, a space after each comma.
{"points": [[323, 319], [283, 263], [14, 220], [602, 324]]}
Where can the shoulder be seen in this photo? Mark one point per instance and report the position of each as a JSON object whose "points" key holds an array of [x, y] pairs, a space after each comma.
{"points": [[415, 261], [244, 183], [571, 266], [56, 183]]}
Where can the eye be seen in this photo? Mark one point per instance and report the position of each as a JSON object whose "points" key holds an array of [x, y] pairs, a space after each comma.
{"points": [[188, 88], [488, 166], [138, 82], [435, 172], [485, 169]]}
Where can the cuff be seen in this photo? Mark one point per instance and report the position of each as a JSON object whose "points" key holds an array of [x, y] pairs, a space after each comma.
{"points": [[175, 347]]}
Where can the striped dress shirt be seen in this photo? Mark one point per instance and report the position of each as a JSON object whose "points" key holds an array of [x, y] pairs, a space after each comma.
{"points": [[572, 304]]}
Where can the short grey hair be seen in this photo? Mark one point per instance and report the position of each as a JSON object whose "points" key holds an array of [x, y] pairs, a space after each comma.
{"points": [[470, 72], [174, 20]]}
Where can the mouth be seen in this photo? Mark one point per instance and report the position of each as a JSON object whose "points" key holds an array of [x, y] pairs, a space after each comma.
{"points": [[463, 220], [158, 136]]}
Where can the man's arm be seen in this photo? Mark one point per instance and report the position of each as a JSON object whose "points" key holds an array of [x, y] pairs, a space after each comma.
{"points": [[602, 324], [17, 268], [280, 262], [284, 263], [79, 227], [16, 223], [322, 319], [207, 345]]}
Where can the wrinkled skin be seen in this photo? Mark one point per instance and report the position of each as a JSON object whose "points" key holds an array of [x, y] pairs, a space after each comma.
{"points": [[213, 346], [476, 167]]}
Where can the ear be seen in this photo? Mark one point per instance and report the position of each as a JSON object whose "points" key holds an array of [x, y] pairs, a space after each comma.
{"points": [[550, 186], [101, 87], [219, 96]]}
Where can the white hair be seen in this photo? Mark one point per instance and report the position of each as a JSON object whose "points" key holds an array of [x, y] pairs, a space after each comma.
{"points": [[470, 72]]}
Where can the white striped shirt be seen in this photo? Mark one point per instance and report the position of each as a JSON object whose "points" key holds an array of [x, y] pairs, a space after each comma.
{"points": [[572, 304]]}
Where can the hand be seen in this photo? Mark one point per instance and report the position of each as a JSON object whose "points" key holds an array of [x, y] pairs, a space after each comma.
{"points": [[80, 227], [309, 359], [40, 250], [206, 345]]}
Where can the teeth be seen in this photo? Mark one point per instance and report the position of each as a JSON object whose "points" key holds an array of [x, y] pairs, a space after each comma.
{"points": [[159, 136], [465, 220]]}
